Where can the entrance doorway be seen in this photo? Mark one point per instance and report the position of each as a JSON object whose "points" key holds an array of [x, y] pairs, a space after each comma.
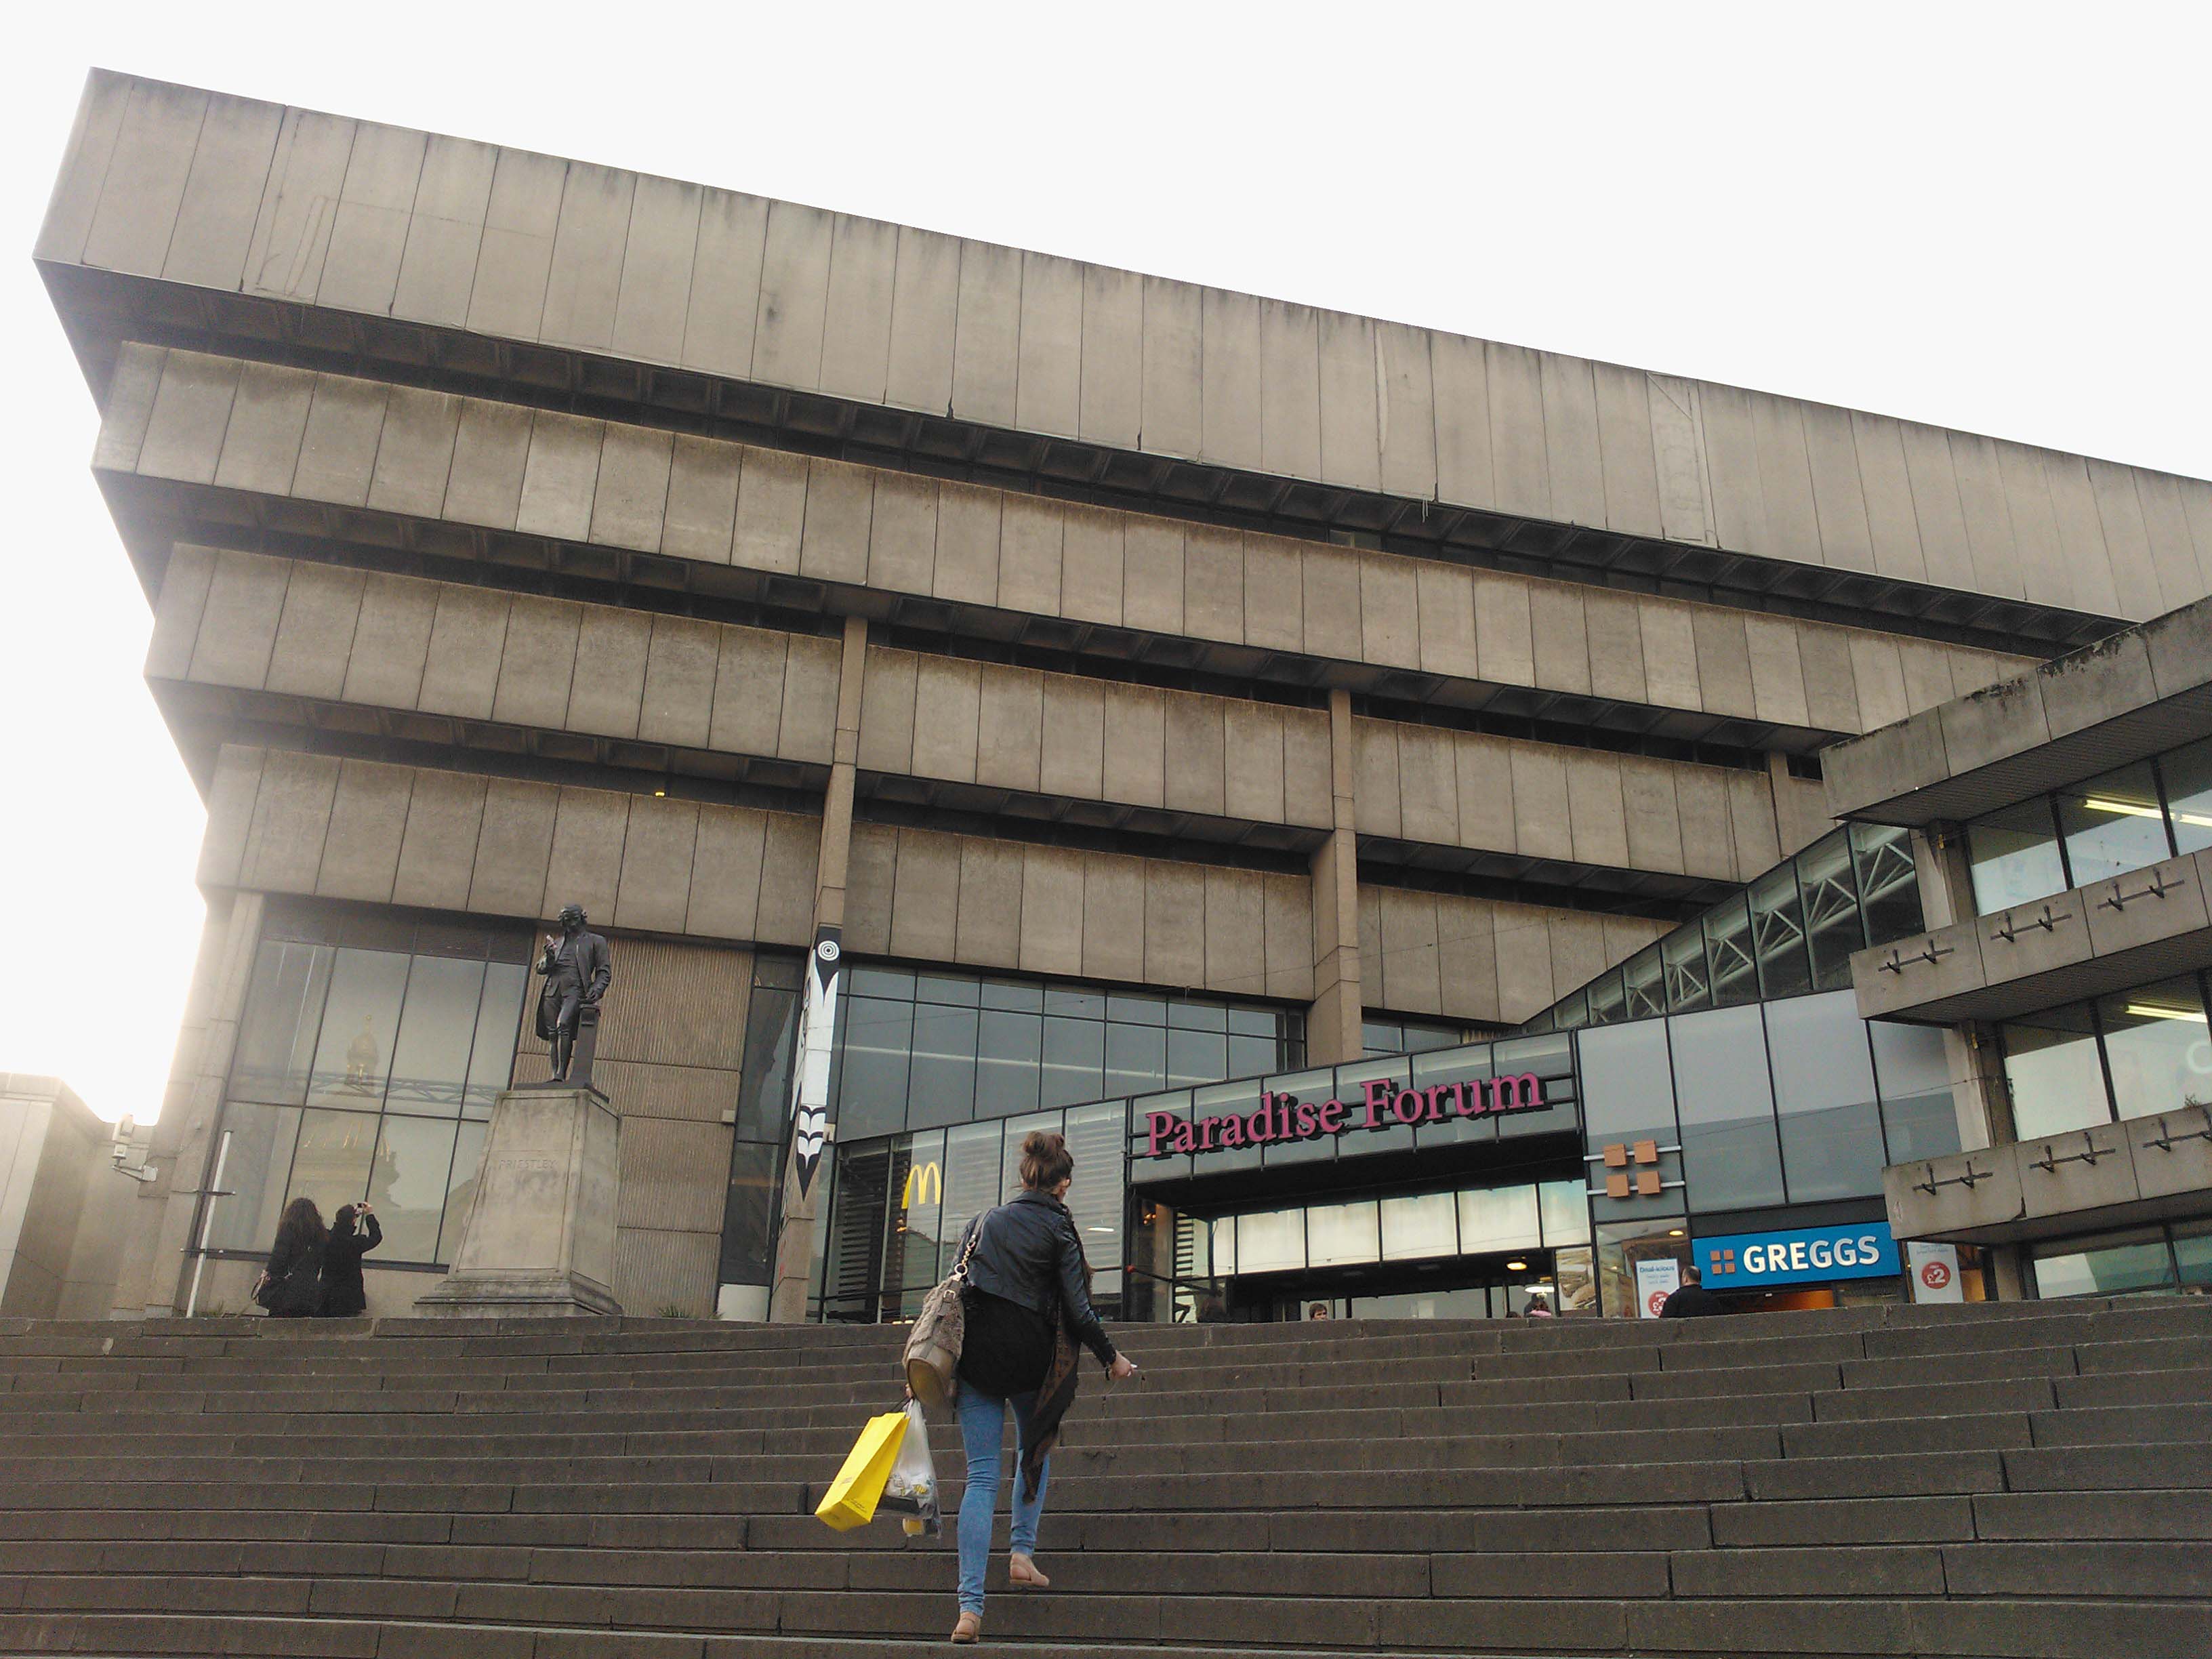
{"points": [[1504, 1285]]}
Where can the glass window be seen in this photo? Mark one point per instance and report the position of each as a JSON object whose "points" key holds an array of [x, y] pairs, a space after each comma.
{"points": [[1271, 1243], [1074, 1002], [430, 1059], [958, 990], [1250, 1056], [1096, 1137], [2156, 1048], [1133, 1010], [2111, 1265], [1340, 1234], [1621, 1247], [1198, 1016], [1626, 1096], [408, 1183], [1307, 1088], [1454, 1066], [255, 1172], [941, 1085], [1019, 1130], [1389, 1134], [1607, 1001], [1683, 952], [1196, 1056], [1074, 1061], [1136, 1058], [1644, 987], [461, 1187], [1777, 934], [276, 1038], [756, 1171], [1833, 927], [1551, 1058], [499, 1024], [1889, 881], [1016, 996], [871, 1079], [1425, 1226], [2051, 1070], [353, 1057], [1498, 1218], [2113, 824], [764, 1082], [1912, 1071], [1564, 1207], [2192, 1252], [2015, 857], [331, 1165], [1728, 948], [1722, 1093], [974, 1167], [1825, 1098], [1009, 1063], [2188, 776]]}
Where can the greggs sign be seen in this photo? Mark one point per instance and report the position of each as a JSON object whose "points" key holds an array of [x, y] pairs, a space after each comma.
{"points": [[1382, 1105]]}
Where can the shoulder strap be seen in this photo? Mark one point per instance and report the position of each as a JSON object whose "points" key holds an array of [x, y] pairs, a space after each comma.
{"points": [[967, 1246]]}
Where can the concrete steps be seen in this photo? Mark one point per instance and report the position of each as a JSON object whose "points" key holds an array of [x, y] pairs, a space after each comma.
{"points": [[2017, 1481]]}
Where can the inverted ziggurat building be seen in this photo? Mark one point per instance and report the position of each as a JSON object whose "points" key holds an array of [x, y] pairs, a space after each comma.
{"points": [[1197, 711]]}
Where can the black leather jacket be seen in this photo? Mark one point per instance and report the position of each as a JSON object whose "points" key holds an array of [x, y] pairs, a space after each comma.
{"points": [[1030, 1254]]}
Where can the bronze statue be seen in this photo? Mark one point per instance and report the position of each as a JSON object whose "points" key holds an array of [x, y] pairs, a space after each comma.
{"points": [[577, 970]]}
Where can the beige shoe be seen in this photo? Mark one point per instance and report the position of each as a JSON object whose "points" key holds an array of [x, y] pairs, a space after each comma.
{"points": [[1020, 1569], [969, 1630]]}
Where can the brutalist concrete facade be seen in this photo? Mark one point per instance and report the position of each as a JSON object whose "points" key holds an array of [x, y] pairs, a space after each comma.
{"points": [[519, 530]]}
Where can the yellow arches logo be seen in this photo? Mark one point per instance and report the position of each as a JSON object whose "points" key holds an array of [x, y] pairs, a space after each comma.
{"points": [[925, 1184]]}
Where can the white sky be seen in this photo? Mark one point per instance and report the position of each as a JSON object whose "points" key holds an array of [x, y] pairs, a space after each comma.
{"points": [[1990, 217]]}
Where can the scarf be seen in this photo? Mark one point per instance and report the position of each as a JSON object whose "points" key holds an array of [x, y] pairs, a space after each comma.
{"points": [[1054, 1396]]}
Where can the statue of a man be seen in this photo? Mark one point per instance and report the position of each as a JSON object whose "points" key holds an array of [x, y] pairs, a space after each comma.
{"points": [[577, 972]]}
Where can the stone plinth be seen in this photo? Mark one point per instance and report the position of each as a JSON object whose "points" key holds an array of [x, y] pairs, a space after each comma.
{"points": [[539, 1237]]}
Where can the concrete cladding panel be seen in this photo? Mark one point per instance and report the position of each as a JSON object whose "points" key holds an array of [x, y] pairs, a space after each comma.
{"points": [[174, 184], [187, 418]]}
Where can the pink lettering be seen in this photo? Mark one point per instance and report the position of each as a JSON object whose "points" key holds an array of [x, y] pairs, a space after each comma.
{"points": [[1160, 1126], [1408, 1107], [1378, 1097], [1331, 1118], [1308, 1123]]}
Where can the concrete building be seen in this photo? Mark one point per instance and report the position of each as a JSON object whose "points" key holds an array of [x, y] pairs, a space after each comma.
{"points": [[64, 1199], [1157, 686]]}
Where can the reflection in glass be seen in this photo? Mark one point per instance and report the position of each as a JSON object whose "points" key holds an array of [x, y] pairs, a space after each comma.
{"points": [[2157, 1049], [353, 1057], [276, 1038], [1620, 1247], [1337, 1235], [1498, 1218], [1564, 1206], [1824, 1095], [1777, 934], [2015, 857], [407, 1183], [438, 1025], [255, 1172], [2188, 776], [1424, 1225], [2192, 1252], [2113, 824], [872, 1078], [1833, 924], [2051, 1069], [499, 1020], [1919, 1120], [1726, 1110], [2121, 1263], [756, 1169], [764, 1082], [461, 1189], [332, 1162]]}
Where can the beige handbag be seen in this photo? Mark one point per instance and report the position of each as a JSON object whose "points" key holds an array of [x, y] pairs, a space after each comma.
{"points": [[932, 1346]]}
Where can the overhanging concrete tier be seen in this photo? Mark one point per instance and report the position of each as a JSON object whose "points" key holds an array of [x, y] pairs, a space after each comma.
{"points": [[2111, 936], [197, 219], [2116, 1175], [2133, 695]]}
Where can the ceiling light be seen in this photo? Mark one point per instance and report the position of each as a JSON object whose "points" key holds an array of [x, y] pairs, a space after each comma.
{"points": [[1517, 1266], [1674, 1232], [2133, 809], [660, 793], [2152, 1011]]}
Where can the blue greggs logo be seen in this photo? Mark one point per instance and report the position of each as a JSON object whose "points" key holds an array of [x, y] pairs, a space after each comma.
{"points": [[1802, 1256]]}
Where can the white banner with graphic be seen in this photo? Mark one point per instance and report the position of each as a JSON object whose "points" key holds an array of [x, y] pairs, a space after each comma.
{"points": [[1934, 1269], [1657, 1279]]}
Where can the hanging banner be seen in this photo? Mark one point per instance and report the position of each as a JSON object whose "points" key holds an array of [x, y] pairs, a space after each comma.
{"points": [[818, 1024], [1934, 1270]]}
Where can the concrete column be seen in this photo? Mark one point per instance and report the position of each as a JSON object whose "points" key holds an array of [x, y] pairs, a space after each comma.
{"points": [[801, 1213], [1946, 883], [154, 1274], [1333, 1022], [1979, 1092]]}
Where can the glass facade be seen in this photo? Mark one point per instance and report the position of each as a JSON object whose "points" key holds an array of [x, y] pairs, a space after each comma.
{"points": [[2115, 1264], [2127, 819], [369, 1053], [763, 1108], [2134, 1054], [1793, 930]]}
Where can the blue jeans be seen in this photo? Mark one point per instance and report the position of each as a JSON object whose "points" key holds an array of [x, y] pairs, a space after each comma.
{"points": [[982, 1428]]}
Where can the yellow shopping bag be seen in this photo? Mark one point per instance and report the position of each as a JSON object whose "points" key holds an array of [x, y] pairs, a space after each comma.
{"points": [[853, 1496]]}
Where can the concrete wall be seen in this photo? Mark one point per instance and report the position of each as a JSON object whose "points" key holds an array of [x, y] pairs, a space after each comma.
{"points": [[216, 423], [52, 1150], [177, 185]]}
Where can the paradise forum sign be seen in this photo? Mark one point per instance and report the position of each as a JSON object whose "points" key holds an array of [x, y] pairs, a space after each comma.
{"points": [[1382, 1105]]}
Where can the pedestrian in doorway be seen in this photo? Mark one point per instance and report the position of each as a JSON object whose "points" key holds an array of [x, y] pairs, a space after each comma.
{"points": [[1028, 1305], [1693, 1300], [354, 1233], [1538, 1307], [291, 1285], [1319, 1310]]}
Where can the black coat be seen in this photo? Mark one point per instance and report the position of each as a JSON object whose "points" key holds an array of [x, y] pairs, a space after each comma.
{"points": [[1027, 1253], [295, 1281], [342, 1295], [587, 955], [1691, 1302]]}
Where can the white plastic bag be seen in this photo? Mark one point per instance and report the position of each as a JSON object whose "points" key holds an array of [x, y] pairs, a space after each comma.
{"points": [[911, 1492]]}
